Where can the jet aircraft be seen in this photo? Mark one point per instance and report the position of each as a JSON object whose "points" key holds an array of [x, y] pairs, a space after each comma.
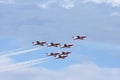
{"points": [[52, 54], [53, 44], [79, 37], [39, 43], [58, 55], [66, 45], [61, 57], [65, 53]]}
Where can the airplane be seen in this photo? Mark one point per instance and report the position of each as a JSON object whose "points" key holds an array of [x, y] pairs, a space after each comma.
{"points": [[61, 57], [53, 44], [58, 55], [67, 45], [39, 43], [65, 53], [79, 37], [52, 54]]}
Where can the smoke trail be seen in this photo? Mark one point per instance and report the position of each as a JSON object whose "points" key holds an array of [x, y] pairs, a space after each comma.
{"points": [[22, 64], [10, 51], [21, 52]]}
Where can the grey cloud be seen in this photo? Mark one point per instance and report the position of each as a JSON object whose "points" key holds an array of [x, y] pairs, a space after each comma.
{"points": [[7, 1], [114, 3], [67, 4], [86, 71], [115, 14], [5, 61]]}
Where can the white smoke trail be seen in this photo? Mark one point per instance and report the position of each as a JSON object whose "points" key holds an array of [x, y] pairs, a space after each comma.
{"points": [[22, 64], [10, 51], [20, 52]]}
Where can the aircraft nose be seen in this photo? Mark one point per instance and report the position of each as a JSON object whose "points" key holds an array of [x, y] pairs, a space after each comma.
{"points": [[71, 44]]}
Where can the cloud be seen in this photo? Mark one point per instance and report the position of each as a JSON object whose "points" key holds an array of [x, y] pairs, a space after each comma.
{"points": [[7, 1], [114, 3], [85, 71], [115, 14], [31, 23], [67, 4], [47, 4], [5, 61]]}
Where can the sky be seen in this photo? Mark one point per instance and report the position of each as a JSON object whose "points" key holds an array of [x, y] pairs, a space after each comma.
{"points": [[25, 21]]}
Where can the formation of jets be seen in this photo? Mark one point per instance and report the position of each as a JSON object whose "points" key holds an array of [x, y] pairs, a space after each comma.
{"points": [[58, 55]]}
